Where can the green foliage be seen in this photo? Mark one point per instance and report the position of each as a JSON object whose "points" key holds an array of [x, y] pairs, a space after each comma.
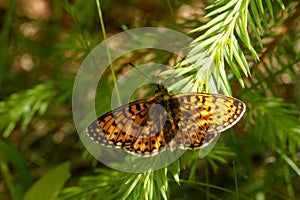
{"points": [[240, 36], [221, 41], [49, 186], [9, 155], [148, 185], [23, 106]]}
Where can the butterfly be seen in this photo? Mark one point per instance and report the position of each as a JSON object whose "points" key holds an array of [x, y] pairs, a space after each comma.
{"points": [[185, 121]]}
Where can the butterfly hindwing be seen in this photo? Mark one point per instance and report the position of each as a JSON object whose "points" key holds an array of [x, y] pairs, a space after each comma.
{"points": [[147, 145]]}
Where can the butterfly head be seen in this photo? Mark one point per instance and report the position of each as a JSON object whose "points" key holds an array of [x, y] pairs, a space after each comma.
{"points": [[161, 89]]}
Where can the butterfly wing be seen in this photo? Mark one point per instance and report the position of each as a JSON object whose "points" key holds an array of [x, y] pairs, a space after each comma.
{"points": [[129, 127], [194, 122], [203, 116]]}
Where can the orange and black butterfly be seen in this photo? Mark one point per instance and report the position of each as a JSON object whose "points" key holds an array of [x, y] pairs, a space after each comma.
{"points": [[188, 121]]}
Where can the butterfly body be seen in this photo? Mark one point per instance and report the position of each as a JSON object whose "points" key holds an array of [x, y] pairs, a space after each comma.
{"points": [[187, 121]]}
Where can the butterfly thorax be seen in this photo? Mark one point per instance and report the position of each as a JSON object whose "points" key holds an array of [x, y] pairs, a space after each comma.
{"points": [[171, 112]]}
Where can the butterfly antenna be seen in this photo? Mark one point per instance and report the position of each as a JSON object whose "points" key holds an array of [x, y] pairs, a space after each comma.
{"points": [[131, 64]]}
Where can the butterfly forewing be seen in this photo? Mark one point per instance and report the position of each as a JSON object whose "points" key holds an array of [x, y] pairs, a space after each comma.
{"points": [[145, 127]]}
